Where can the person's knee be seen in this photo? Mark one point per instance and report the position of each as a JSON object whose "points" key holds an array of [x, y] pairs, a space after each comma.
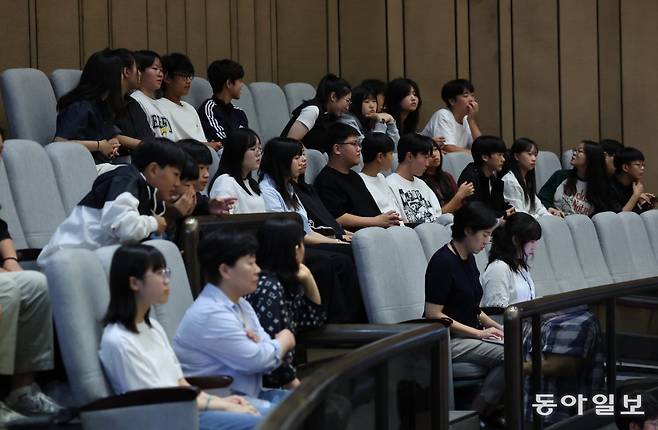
{"points": [[35, 284], [10, 293]]}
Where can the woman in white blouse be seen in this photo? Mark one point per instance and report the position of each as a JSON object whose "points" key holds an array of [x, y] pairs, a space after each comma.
{"points": [[520, 188], [241, 157]]}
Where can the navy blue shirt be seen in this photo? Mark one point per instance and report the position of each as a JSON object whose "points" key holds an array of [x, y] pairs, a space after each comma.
{"points": [[86, 120]]}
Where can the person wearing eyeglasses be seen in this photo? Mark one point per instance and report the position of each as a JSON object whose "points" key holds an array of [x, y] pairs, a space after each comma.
{"points": [[626, 183]]}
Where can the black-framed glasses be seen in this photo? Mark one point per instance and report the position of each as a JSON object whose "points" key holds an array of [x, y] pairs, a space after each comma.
{"points": [[186, 76]]}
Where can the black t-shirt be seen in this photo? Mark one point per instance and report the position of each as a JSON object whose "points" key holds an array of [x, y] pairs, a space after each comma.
{"points": [[315, 209], [487, 190], [4, 230], [621, 194], [133, 122], [345, 193], [455, 284], [219, 119]]}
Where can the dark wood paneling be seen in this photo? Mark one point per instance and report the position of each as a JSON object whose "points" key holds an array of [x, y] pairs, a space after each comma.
{"points": [[156, 25], [247, 38], [463, 38], [218, 29], [195, 35], [506, 70], [176, 24], [58, 35], [395, 38], [263, 12], [129, 24], [609, 69], [95, 28]]}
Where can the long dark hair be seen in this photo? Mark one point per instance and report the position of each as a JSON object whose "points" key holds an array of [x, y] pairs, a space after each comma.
{"points": [[236, 145], [511, 237], [528, 183], [100, 81], [331, 83], [277, 157], [359, 95], [440, 178], [598, 189], [396, 91], [129, 260], [277, 243]]}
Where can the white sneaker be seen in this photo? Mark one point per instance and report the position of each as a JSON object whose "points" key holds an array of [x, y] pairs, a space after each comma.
{"points": [[8, 415], [31, 401]]}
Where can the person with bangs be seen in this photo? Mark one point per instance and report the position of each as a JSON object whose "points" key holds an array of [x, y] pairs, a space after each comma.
{"points": [[378, 88], [377, 151], [234, 177], [403, 103], [626, 183], [311, 120], [364, 117], [520, 186]]}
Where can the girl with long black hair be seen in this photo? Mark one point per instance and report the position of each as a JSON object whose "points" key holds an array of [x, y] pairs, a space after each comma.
{"points": [[451, 197], [403, 103]]}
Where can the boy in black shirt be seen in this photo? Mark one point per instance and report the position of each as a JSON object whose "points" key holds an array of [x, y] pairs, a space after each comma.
{"points": [[218, 115], [628, 190], [342, 190]]}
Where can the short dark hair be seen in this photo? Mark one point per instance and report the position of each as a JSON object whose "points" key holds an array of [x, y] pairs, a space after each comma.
{"points": [[649, 407], [374, 143], [220, 71], [223, 246], [474, 215], [176, 63], [338, 133], [190, 171], [129, 260], [414, 143], [486, 145], [199, 152], [626, 156], [611, 146], [277, 242], [454, 88], [375, 85], [158, 150], [2, 133], [145, 58]]}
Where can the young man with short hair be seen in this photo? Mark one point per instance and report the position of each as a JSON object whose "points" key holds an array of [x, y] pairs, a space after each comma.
{"points": [[488, 161], [218, 115], [342, 190], [454, 127], [626, 185], [418, 202], [377, 152]]}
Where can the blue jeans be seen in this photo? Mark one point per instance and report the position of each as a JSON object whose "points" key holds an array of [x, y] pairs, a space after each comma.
{"points": [[267, 400], [218, 420]]}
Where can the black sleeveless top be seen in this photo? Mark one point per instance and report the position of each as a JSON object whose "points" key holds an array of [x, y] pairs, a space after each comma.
{"points": [[316, 138]]}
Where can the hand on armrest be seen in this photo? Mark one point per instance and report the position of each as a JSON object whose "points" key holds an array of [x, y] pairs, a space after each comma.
{"points": [[210, 382]]}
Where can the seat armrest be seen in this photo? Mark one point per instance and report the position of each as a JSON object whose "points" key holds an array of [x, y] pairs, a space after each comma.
{"points": [[646, 302], [352, 335], [210, 382], [493, 310], [142, 398], [28, 254]]}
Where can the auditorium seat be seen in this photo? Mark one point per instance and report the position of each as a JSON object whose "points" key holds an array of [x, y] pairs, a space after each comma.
{"points": [[615, 246], [30, 104], [542, 272], [212, 169], [64, 80], [200, 90], [297, 93], [588, 248], [315, 162], [75, 171], [641, 254], [547, 164], [8, 211], [650, 219], [562, 254], [566, 159], [455, 162], [432, 237], [246, 103], [271, 108]]}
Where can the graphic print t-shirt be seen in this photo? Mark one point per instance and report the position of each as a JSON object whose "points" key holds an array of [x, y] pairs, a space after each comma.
{"points": [[417, 200]]}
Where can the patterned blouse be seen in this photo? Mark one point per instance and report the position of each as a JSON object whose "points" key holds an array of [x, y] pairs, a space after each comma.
{"points": [[278, 310]]}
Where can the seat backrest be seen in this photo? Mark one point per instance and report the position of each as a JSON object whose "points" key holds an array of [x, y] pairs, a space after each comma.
{"points": [[542, 272], [650, 219], [562, 253], [547, 164], [30, 104], [216, 156], [588, 248], [566, 159], [315, 162], [615, 246], [74, 170], [64, 80], [297, 93], [642, 254], [271, 108], [200, 90], [432, 236], [8, 211], [455, 162], [246, 103], [34, 188]]}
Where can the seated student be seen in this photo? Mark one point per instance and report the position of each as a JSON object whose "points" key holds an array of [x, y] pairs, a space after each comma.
{"points": [[287, 296], [135, 351], [126, 204], [520, 186], [378, 88], [220, 333], [403, 103], [418, 202], [453, 290], [178, 76], [363, 115], [26, 334], [86, 113], [648, 420], [219, 116], [488, 160], [342, 190], [311, 119], [377, 152], [610, 148], [584, 189], [144, 118], [454, 127], [571, 338], [183, 201], [626, 185], [130, 77], [241, 157], [451, 197]]}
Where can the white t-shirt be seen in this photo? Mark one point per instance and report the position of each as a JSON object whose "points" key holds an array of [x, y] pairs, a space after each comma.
{"points": [[135, 361], [308, 116], [575, 204], [514, 195], [502, 287], [226, 186], [443, 123], [381, 192], [417, 200], [159, 122], [184, 118]]}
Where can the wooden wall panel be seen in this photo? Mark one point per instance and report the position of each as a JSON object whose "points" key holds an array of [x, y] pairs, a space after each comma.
{"points": [[14, 34], [333, 38], [156, 25], [506, 70], [579, 87], [536, 77], [485, 64], [129, 24], [58, 35], [363, 47], [429, 45], [395, 38], [247, 38], [218, 29], [95, 27], [609, 69], [263, 44], [195, 35], [176, 23], [463, 38]]}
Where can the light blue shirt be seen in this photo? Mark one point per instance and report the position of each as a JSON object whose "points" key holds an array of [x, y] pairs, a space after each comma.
{"points": [[211, 340], [274, 201]]}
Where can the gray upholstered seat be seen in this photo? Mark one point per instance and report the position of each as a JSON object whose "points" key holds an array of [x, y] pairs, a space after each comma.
{"points": [[297, 93], [432, 236], [650, 219], [74, 170], [588, 248], [642, 254], [562, 253], [315, 162], [542, 272], [547, 164], [8, 211], [455, 162], [30, 104], [566, 159], [271, 108], [64, 80], [246, 103], [615, 246], [200, 90]]}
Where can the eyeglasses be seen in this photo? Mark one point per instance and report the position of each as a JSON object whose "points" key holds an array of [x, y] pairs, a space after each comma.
{"points": [[164, 273], [186, 76], [354, 143], [257, 149]]}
